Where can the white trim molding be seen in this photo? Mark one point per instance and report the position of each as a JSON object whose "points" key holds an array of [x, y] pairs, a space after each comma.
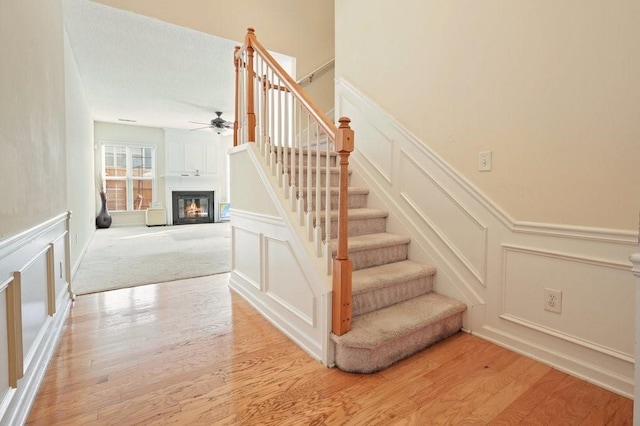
{"points": [[34, 278]]}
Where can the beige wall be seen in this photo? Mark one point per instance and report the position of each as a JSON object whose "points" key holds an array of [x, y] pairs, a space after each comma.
{"points": [[551, 88], [32, 119], [302, 29]]}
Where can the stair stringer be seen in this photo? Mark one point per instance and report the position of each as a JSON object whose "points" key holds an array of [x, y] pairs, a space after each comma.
{"points": [[275, 266], [497, 265]]}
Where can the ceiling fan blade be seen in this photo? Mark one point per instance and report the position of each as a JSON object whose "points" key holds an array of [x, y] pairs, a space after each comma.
{"points": [[197, 122], [199, 128]]}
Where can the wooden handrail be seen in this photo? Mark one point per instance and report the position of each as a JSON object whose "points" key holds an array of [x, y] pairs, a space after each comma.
{"points": [[251, 41], [343, 141], [321, 69]]}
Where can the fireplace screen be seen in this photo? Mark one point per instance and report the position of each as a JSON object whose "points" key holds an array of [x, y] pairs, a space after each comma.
{"points": [[192, 207]]}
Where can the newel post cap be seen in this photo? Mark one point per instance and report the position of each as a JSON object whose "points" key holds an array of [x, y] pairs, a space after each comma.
{"points": [[344, 136], [251, 35]]}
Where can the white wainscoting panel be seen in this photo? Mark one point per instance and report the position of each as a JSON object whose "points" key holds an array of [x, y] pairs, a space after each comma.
{"points": [[495, 264], [590, 288], [246, 249], [34, 301], [379, 154], [286, 282], [34, 294], [453, 223]]}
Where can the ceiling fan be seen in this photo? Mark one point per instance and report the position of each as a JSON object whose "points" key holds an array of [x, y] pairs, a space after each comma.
{"points": [[218, 124]]}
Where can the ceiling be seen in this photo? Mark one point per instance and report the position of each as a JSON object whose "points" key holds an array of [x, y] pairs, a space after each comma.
{"points": [[137, 68]]}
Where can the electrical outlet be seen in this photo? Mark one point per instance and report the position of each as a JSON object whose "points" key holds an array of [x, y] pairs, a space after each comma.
{"points": [[484, 161], [553, 300]]}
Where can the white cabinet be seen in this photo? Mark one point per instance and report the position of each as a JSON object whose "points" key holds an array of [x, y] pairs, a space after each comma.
{"points": [[191, 153]]}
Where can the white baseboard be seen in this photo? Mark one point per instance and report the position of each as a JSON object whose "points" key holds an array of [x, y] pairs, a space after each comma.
{"points": [[590, 372]]}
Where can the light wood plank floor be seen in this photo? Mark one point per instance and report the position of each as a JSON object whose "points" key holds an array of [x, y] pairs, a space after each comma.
{"points": [[191, 352]]}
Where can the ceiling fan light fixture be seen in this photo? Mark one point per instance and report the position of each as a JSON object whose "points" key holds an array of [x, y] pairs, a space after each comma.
{"points": [[218, 124]]}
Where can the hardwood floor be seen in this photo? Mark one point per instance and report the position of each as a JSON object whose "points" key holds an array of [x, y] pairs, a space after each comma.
{"points": [[191, 352]]}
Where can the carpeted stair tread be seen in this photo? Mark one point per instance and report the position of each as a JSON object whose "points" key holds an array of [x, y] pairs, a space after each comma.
{"points": [[355, 214], [372, 241], [378, 277], [373, 329]]}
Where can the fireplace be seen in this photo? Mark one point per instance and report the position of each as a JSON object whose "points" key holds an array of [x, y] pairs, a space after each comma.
{"points": [[192, 207]]}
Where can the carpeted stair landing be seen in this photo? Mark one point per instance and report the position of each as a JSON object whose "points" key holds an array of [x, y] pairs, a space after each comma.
{"points": [[395, 311]]}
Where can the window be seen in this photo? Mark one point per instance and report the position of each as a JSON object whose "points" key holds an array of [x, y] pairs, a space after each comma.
{"points": [[129, 176]]}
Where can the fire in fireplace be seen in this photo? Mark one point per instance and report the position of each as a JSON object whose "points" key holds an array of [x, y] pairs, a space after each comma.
{"points": [[192, 207]]}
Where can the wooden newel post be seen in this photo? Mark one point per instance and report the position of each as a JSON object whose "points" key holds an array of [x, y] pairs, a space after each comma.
{"points": [[236, 64], [342, 267], [251, 115]]}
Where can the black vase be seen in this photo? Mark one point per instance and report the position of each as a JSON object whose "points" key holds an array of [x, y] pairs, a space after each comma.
{"points": [[103, 220]]}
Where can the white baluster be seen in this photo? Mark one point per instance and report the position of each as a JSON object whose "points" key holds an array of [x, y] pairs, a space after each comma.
{"points": [[301, 199], [286, 145], [318, 187], [260, 102], [272, 118], [308, 178], [241, 100], [327, 195]]}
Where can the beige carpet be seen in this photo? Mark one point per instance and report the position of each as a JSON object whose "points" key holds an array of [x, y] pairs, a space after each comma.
{"points": [[122, 257]]}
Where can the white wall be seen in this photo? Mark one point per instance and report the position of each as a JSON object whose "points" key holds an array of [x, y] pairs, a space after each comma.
{"points": [[32, 114], [550, 87], [302, 29], [80, 171]]}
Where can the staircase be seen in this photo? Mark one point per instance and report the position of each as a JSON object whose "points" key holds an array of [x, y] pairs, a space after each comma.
{"points": [[395, 312], [383, 305]]}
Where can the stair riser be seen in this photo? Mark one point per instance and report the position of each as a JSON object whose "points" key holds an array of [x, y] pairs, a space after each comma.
{"points": [[378, 256], [362, 360], [358, 226], [390, 295]]}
